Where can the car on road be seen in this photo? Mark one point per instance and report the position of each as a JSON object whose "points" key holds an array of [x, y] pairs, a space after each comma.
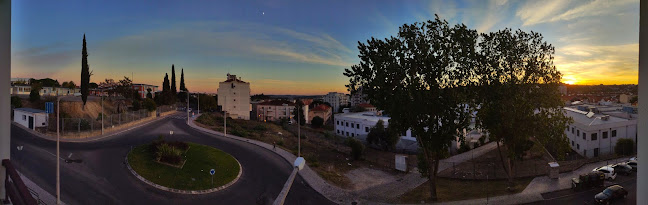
{"points": [[610, 193], [633, 159], [608, 171], [622, 168], [633, 164]]}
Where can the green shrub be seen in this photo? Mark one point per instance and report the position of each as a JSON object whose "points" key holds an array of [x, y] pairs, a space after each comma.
{"points": [[169, 154], [280, 142], [317, 122], [624, 146], [99, 117], [357, 148], [34, 95], [239, 132], [16, 102], [206, 119], [150, 105]]}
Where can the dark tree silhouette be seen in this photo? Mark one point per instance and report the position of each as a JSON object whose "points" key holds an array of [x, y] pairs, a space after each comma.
{"points": [[85, 73], [173, 80]]}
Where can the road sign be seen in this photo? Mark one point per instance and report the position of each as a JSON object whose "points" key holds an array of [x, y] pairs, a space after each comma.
{"points": [[49, 107], [212, 171]]}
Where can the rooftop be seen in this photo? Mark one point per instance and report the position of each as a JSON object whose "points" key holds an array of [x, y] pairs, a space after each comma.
{"points": [[321, 107], [31, 110], [278, 103], [581, 117], [368, 116]]}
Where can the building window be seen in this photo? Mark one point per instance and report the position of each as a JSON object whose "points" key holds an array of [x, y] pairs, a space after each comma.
{"points": [[577, 132], [352, 135], [578, 146], [366, 129], [594, 137], [584, 136], [351, 125], [614, 133], [338, 131], [338, 122], [24, 117], [347, 134], [347, 124], [572, 130], [358, 126], [605, 135], [572, 143]]}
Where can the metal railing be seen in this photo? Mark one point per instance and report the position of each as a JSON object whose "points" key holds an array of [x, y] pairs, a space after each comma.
{"points": [[17, 192]]}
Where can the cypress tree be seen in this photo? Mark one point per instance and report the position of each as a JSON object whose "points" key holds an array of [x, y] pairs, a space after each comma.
{"points": [[182, 84], [173, 80], [165, 89], [85, 72]]}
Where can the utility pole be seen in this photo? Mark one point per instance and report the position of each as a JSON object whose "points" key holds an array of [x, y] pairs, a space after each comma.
{"points": [[58, 162], [225, 115], [102, 113], [199, 103], [298, 132]]}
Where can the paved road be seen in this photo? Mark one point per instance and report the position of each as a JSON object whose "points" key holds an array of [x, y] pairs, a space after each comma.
{"points": [[102, 178], [587, 197]]}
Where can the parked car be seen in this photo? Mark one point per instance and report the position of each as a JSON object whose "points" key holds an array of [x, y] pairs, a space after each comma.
{"points": [[608, 171], [611, 193], [633, 164], [633, 159], [622, 168]]}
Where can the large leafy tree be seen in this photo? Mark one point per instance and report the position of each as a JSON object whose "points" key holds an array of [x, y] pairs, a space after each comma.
{"points": [[519, 98], [415, 77], [85, 73]]}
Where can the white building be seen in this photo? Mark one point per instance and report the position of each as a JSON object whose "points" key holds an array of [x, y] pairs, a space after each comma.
{"points": [[336, 100], [30, 118], [234, 97], [358, 124], [45, 91], [593, 134], [276, 110]]}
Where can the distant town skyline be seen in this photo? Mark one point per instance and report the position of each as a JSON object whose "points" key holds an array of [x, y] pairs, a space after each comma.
{"points": [[294, 47]]}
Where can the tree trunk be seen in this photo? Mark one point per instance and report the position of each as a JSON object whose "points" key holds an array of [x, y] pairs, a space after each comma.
{"points": [[432, 173], [504, 163]]}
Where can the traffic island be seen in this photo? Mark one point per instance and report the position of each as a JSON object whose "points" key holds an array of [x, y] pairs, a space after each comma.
{"points": [[201, 169]]}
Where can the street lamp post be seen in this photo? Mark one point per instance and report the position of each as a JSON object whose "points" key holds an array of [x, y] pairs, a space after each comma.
{"points": [[102, 113], [199, 103], [225, 115], [298, 133]]}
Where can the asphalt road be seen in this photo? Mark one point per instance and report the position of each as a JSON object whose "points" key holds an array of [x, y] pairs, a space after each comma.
{"points": [[100, 175], [587, 196]]}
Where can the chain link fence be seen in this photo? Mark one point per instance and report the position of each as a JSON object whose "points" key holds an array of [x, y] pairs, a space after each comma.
{"points": [[87, 127]]}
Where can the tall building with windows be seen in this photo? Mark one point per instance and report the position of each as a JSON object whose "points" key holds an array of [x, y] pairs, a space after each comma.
{"points": [[358, 98], [234, 97], [337, 100]]}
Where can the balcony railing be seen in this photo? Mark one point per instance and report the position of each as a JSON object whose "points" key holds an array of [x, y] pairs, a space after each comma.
{"points": [[16, 191]]}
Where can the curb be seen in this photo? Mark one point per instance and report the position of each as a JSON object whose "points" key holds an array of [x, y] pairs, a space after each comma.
{"points": [[306, 167], [179, 191]]}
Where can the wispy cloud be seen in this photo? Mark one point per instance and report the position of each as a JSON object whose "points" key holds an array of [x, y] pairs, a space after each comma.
{"points": [[599, 64], [535, 12]]}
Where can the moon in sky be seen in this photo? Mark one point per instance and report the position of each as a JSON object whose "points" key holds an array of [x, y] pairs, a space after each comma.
{"points": [[263, 13]]}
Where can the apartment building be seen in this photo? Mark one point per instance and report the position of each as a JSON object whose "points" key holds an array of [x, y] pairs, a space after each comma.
{"points": [[323, 111], [594, 133], [234, 97], [275, 110], [337, 100]]}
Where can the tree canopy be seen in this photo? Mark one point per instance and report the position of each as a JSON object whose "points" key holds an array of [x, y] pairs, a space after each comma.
{"points": [[85, 73]]}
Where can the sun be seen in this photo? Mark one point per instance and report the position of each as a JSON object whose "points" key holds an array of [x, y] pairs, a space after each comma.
{"points": [[570, 82]]}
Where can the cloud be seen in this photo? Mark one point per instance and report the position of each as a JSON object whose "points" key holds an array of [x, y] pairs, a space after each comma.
{"points": [[594, 8], [535, 12]]}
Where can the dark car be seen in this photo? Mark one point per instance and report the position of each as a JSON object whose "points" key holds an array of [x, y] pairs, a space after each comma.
{"points": [[633, 164], [611, 193], [622, 168]]}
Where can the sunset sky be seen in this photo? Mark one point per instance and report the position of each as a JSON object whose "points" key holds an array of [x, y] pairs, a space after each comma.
{"points": [[296, 47]]}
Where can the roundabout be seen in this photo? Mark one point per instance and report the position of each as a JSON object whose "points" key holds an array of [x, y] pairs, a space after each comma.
{"points": [[193, 175]]}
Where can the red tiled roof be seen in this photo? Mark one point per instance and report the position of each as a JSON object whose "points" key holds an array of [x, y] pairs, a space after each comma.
{"points": [[277, 102], [321, 107]]}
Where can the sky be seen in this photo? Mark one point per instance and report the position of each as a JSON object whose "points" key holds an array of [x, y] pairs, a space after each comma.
{"points": [[296, 47]]}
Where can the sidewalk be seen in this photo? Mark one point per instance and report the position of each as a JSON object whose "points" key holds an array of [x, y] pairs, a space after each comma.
{"points": [[41, 196], [110, 133], [533, 192]]}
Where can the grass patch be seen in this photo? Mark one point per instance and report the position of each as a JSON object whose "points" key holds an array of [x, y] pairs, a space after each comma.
{"points": [[194, 175], [454, 189]]}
